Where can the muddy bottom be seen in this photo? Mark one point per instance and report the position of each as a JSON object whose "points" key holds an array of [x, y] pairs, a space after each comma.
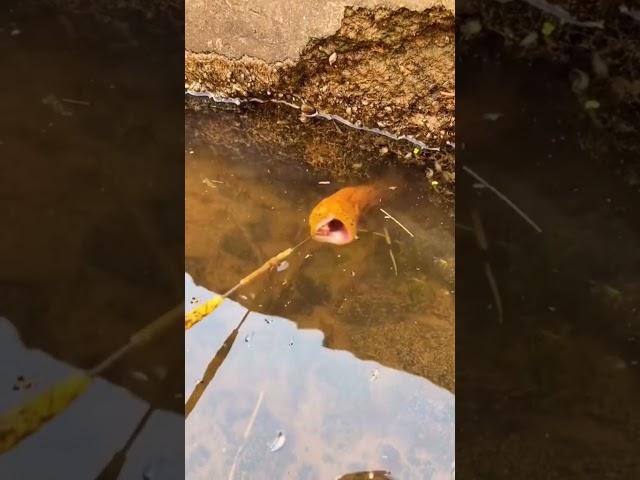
{"points": [[243, 207], [552, 391]]}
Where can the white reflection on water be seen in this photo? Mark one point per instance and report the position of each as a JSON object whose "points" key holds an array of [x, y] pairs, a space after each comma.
{"points": [[335, 418]]}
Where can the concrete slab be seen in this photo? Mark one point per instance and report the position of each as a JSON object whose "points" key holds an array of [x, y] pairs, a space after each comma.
{"points": [[273, 30]]}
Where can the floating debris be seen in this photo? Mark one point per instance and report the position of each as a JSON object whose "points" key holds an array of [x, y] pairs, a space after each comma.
{"points": [[278, 442], [21, 383], [579, 80], [268, 321], [547, 28], [332, 58], [492, 117], [282, 266], [210, 183], [248, 337], [591, 105], [374, 375], [52, 101], [140, 376], [324, 182], [291, 343], [529, 40], [471, 27]]}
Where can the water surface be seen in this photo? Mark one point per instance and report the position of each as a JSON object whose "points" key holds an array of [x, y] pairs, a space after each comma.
{"points": [[352, 358]]}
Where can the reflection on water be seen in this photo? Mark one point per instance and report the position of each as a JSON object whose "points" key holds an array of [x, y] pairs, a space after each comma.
{"points": [[282, 406], [342, 367], [107, 431], [243, 206]]}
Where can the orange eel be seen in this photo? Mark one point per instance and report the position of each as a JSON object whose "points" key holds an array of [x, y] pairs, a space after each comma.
{"points": [[335, 218]]}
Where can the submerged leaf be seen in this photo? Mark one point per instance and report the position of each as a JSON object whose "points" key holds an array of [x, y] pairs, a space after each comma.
{"points": [[548, 28]]}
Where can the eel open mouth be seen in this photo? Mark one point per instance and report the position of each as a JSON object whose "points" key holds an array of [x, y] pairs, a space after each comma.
{"points": [[332, 230]]}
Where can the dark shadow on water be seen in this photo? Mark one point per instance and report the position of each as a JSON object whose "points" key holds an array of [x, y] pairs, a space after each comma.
{"points": [[552, 392], [92, 220], [212, 368]]}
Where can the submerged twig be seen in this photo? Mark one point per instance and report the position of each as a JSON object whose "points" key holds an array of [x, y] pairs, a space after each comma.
{"points": [[247, 431], [387, 238], [483, 244], [395, 220], [393, 261], [504, 198], [76, 102]]}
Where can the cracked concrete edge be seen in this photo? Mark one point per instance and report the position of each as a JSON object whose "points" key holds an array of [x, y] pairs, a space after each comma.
{"points": [[248, 76], [274, 30]]}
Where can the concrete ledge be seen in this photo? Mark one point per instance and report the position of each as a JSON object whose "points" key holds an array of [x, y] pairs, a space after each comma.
{"points": [[390, 68]]}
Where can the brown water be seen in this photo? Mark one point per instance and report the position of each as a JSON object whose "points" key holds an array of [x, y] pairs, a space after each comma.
{"points": [[242, 209], [552, 391], [89, 234], [348, 315]]}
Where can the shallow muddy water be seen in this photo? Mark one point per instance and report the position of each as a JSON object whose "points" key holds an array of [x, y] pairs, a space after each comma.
{"points": [[552, 391], [89, 238], [344, 310]]}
